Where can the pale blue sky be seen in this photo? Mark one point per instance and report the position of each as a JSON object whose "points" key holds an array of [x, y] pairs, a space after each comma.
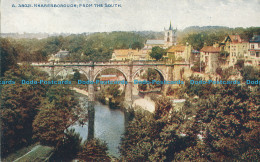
{"points": [[136, 15]]}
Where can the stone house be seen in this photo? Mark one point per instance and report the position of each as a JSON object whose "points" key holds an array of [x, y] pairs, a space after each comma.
{"points": [[253, 58], [179, 53], [59, 56], [129, 54], [236, 47], [209, 55]]}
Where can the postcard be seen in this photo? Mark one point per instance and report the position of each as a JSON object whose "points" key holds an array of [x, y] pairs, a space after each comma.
{"points": [[130, 80]]}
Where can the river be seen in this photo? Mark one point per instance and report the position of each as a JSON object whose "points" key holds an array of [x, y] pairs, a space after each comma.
{"points": [[109, 127]]}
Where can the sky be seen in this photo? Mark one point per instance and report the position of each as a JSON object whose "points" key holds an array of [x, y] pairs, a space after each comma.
{"points": [[134, 15]]}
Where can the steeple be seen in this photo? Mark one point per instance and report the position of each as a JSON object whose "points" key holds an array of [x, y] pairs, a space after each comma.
{"points": [[170, 28]]}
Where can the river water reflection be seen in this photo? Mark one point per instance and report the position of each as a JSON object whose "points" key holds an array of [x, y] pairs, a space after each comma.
{"points": [[109, 127]]}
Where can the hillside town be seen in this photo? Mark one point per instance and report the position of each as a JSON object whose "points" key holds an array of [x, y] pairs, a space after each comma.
{"points": [[233, 46]]}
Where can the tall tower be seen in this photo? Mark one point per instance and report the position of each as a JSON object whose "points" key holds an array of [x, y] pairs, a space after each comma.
{"points": [[170, 36]]}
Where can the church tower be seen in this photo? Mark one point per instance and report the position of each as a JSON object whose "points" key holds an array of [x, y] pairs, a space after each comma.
{"points": [[170, 36]]}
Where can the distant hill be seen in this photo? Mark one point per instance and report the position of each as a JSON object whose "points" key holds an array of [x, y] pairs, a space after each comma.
{"points": [[99, 46], [192, 29]]}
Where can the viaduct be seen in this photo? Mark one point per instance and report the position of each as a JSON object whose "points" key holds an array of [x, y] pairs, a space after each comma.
{"points": [[167, 71]]}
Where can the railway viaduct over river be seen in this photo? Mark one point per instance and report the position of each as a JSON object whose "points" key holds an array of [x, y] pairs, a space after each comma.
{"points": [[129, 69]]}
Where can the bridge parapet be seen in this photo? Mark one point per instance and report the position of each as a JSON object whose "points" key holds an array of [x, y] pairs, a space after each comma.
{"points": [[58, 63]]}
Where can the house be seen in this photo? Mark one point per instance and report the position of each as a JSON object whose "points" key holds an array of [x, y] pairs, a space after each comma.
{"points": [[253, 58], [236, 47], [179, 53], [61, 55], [129, 54], [209, 55], [144, 54]]}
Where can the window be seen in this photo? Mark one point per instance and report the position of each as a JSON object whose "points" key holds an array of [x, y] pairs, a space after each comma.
{"points": [[257, 54], [252, 46]]}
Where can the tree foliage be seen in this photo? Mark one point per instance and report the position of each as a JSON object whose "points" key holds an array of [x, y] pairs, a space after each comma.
{"points": [[208, 35], [201, 90], [198, 67], [137, 45], [20, 105], [154, 137], [157, 53], [69, 147], [8, 56], [94, 150], [57, 113], [250, 73], [229, 121]]}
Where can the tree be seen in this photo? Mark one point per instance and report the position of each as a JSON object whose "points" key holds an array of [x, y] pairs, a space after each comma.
{"points": [[223, 55], [137, 45], [94, 150], [226, 73], [201, 90], [113, 90], [76, 75], [199, 67], [219, 71], [69, 147], [142, 87], [19, 107], [152, 137], [59, 111], [49, 125], [239, 64], [196, 40], [193, 153], [230, 123], [250, 73], [8, 56], [157, 53]]}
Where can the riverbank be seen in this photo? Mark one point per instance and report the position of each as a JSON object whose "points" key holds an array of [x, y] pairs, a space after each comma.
{"points": [[145, 104], [80, 91]]}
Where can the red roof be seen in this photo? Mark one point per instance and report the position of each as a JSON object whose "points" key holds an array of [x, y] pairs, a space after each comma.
{"points": [[108, 77], [235, 38], [210, 49]]}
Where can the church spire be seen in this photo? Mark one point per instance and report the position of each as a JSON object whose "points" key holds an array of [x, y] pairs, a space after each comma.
{"points": [[170, 28]]}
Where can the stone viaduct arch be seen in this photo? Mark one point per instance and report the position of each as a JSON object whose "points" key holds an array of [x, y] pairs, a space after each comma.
{"points": [[92, 69]]}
